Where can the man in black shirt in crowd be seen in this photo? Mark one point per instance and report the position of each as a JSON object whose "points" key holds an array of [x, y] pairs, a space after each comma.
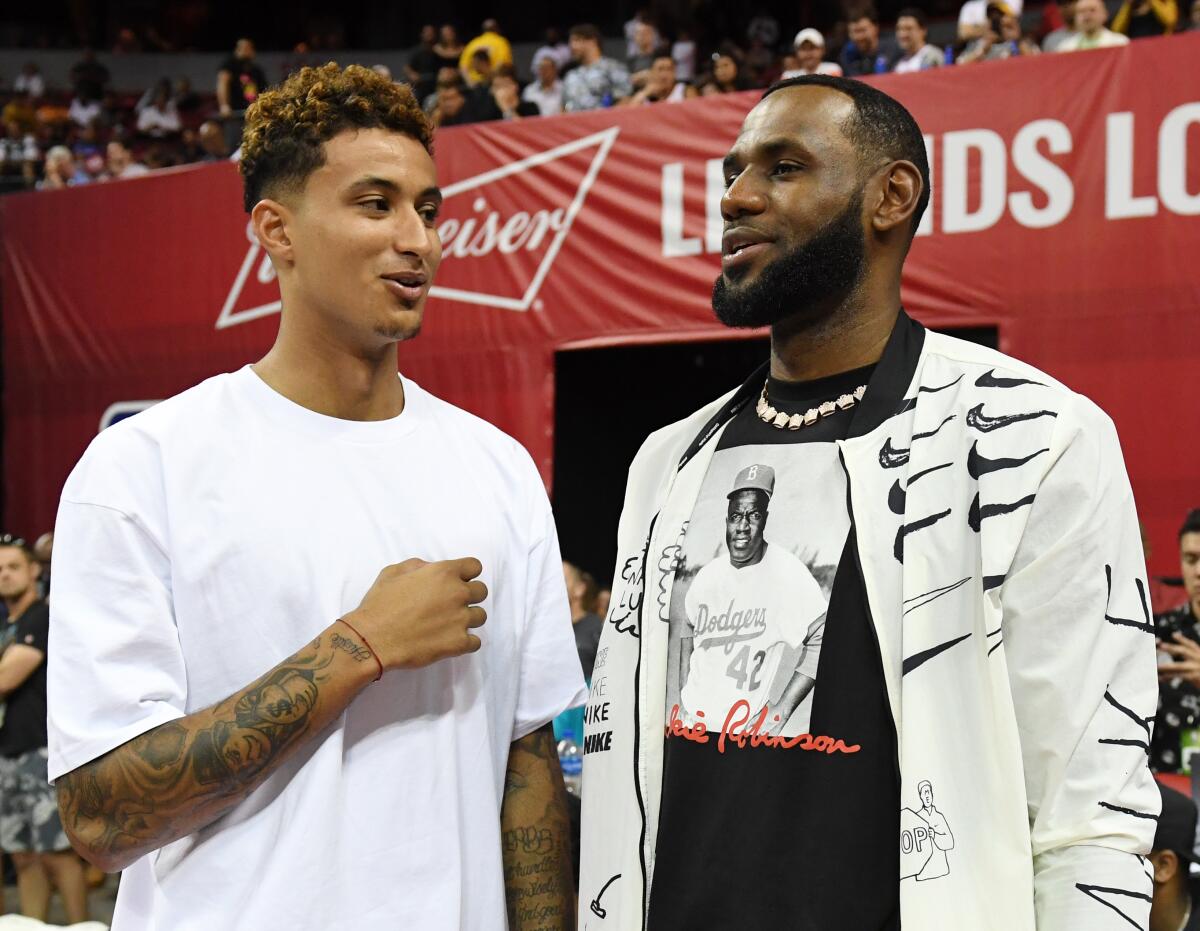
{"points": [[30, 829], [239, 82], [1178, 632], [1174, 906]]}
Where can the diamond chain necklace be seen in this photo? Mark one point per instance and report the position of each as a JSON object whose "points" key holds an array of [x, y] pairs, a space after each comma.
{"points": [[782, 420]]}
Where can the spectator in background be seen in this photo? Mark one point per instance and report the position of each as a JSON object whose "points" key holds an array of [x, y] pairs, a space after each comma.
{"points": [[185, 97], [973, 18], [603, 597], [642, 15], [546, 91], [30, 81], [1145, 18], [809, 51], [448, 48], [1174, 906], [1090, 17], [423, 64], [88, 77], [865, 53], [86, 144], [239, 81], [20, 110], [506, 93], [581, 596], [726, 74], [596, 81], [157, 114], [645, 43], [43, 552], [212, 141], [498, 50], [1193, 23], [120, 163], [30, 828], [1178, 634], [555, 48], [479, 72], [84, 111], [1057, 37], [19, 155], [683, 52], [450, 105], [1003, 38], [446, 75], [660, 85], [912, 35]]}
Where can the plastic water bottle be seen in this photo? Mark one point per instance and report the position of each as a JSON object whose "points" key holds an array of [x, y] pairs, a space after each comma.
{"points": [[949, 54], [570, 758], [881, 64]]}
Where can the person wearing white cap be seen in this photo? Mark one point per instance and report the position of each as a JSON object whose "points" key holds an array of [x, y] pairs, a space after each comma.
{"points": [[809, 47]]}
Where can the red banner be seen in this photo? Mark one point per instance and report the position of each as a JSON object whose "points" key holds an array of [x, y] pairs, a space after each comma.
{"points": [[1065, 212]]}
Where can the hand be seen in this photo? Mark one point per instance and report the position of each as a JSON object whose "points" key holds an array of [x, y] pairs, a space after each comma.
{"points": [[417, 612], [225, 111], [775, 728], [1187, 655]]}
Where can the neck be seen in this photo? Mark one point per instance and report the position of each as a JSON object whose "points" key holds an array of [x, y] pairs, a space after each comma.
{"points": [[313, 370], [1170, 916], [851, 335], [1093, 33], [18, 606]]}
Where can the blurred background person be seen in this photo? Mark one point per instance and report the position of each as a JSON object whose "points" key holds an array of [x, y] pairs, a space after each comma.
{"points": [[912, 36], [866, 53], [1141, 19], [1090, 32], [546, 91], [808, 49], [1171, 856]]}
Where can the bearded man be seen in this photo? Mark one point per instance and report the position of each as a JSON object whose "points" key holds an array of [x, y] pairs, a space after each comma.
{"points": [[987, 635]]}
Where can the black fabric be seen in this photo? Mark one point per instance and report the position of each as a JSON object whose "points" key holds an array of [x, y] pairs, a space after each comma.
{"points": [[781, 838], [1178, 701], [247, 81], [587, 638], [24, 727]]}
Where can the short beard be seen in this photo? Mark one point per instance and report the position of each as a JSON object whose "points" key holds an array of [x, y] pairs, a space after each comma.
{"points": [[808, 283]]}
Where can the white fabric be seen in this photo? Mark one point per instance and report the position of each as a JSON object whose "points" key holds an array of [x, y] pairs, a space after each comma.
{"points": [[974, 12], [84, 114], [548, 100], [774, 607], [999, 551], [1079, 42], [825, 67], [209, 537]]}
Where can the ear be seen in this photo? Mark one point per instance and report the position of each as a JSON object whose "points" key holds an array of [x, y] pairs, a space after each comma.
{"points": [[899, 189], [270, 220], [1166, 865]]}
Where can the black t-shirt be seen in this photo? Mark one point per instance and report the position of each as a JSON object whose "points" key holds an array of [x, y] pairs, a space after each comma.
{"points": [[246, 83], [24, 726], [777, 837], [587, 639], [1178, 700]]}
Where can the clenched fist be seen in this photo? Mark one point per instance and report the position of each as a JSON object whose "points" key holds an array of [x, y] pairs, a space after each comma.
{"points": [[420, 612]]}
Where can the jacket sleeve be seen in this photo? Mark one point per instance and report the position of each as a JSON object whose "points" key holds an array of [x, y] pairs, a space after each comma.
{"points": [[1080, 651]]}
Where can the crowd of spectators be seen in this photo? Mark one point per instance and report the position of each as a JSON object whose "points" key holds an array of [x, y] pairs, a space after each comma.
{"points": [[90, 131]]}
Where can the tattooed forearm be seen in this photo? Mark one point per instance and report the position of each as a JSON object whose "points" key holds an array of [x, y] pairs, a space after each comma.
{"points": [[357, 650], [536, 838], [182, 775]]}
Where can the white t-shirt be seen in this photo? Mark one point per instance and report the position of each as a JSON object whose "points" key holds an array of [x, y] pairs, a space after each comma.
{"points": [[751, 628], [548, 100], [826, 67], [206, 539]]}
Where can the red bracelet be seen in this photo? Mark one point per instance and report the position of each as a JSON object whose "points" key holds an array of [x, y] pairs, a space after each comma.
{"points": [[367, 644]]}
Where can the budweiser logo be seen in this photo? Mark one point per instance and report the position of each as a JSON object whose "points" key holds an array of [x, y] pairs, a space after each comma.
{"points": [[501, 231]]}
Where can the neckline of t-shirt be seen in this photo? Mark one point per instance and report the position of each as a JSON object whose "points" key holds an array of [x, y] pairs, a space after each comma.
{"points": [[288, 412], [819, 389]]}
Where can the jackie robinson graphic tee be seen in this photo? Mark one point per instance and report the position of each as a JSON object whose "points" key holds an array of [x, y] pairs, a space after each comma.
{"points": [[780, 805]]}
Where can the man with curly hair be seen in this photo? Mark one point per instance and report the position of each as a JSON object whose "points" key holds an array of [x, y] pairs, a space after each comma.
{"points": [[397, 769]]}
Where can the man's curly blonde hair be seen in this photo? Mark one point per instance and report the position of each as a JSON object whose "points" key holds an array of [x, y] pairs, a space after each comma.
{"points": [[286, 128]]}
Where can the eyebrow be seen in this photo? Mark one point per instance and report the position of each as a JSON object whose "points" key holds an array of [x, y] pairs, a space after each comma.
{"points": [[768, 149]]}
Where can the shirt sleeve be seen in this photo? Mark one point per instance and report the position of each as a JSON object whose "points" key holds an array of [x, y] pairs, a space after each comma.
{"points": [[116, 668], [32, 628], [1080, 652], [551, 676], [622, 83]]}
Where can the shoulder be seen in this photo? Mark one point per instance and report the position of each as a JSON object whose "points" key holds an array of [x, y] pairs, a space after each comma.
{"points": [[130, 450]]}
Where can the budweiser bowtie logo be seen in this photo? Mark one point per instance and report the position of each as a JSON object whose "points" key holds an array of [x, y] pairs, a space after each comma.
{"points": [[501, 231]]}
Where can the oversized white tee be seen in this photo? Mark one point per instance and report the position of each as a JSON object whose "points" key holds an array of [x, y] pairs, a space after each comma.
{"points": [[206, 539]]}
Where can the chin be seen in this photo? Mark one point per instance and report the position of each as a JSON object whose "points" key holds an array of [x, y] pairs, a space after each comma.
{"points": [[402, 325]]}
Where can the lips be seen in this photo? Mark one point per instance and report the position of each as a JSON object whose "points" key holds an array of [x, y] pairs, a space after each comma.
{"points": [[740, 246], [408, 286]]}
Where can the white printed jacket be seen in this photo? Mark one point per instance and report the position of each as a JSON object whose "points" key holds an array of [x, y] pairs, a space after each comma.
{"points": [[1002, 562]]}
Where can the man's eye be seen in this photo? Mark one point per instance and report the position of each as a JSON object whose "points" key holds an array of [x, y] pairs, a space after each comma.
{"points": [[375, 204], [785, 168]]}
